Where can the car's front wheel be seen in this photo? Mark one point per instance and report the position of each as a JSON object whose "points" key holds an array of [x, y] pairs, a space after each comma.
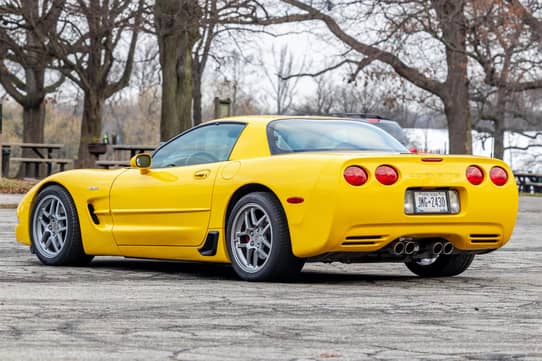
{"points": [[54, 229], [441, 266], [258, 239]]}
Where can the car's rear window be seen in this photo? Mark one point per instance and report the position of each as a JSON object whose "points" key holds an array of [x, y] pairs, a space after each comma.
{"points": [[395, 130], [306, 135]]}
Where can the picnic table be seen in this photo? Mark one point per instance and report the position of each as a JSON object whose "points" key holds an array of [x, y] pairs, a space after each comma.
{"points": [[43, 153], [133, 148], [120, 154]]}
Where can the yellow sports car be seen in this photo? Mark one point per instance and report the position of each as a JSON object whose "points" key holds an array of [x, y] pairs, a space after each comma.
{"points": [[269, 193]]}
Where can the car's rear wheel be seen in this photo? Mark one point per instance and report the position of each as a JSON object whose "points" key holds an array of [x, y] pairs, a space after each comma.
{"points": [[54, 229], [441, 266], [258, 239]]}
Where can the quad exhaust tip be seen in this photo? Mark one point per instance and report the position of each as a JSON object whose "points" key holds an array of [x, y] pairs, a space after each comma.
{"points": [[447, 248], [399, 248], [438, 247], [410, 247]]}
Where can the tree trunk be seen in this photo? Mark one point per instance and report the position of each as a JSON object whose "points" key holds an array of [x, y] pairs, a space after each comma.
{"points": [[498, 123], [196, 95], [33, 112], [184, 84], [177, 24], [456, 92], [91, 126], [459, 126], [33, 125], [498, 142], [168, 62]]}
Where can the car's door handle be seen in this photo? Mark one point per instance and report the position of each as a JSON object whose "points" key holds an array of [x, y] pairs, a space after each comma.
{"points": [[202, 174]]}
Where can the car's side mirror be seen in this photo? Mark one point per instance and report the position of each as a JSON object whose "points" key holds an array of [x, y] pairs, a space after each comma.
{"points": [[143, 161]]}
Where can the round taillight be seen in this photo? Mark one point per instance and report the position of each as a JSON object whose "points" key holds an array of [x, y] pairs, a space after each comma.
{"points": [[355, 175], [498, 176], [386, 175], [475, 175]]}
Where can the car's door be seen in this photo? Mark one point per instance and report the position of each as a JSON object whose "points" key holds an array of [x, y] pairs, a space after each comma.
{"points": [[170, 204]]}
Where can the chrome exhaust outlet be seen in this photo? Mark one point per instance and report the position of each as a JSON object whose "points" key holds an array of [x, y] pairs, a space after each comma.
{"points": [[438, 247], [448, 248], [399, 248], [411, 247]]}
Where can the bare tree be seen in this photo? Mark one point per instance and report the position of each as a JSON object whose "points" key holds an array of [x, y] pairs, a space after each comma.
{"points": [[401, 27], [92, 52], [23, 62], [526, 14], [186, 31], [438, 24], [324, 99], [283, 86], [177, 27], [500, 43]]}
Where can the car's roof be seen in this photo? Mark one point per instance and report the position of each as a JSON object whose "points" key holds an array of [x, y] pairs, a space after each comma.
{"points": [[269, 118]]}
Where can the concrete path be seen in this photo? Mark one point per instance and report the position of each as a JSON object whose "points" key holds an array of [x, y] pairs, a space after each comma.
{"points": [[122, 309], [10, 200]]}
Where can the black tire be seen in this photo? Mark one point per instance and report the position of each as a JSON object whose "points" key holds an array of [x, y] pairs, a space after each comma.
{"points": [[258, 240], [443, 266], [54, 229]]}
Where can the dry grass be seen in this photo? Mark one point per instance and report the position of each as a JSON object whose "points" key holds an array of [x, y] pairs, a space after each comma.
{"points": [[16, 186]]}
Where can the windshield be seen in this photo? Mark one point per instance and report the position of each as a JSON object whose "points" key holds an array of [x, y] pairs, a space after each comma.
{"points": [[305, 135]]}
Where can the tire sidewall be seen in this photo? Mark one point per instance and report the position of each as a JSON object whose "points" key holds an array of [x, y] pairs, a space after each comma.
{"points": [[279, 229], [444, 266], [72, 234]]}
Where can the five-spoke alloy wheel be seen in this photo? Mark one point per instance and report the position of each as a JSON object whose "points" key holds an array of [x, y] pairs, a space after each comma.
{"points": [[258, 239], [55, 233]]}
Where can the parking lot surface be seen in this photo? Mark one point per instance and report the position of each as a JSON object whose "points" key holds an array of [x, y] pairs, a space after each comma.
{"points": [[125, 309]]}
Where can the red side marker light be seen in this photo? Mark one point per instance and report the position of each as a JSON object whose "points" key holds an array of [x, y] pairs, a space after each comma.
{"points": [[295, 200], [386, 175], [373, 120], [434, 159], [355, 175], [498, 176], [475, 175]]}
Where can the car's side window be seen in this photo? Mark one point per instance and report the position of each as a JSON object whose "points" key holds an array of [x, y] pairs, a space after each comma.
{"points": [[205, 144]]}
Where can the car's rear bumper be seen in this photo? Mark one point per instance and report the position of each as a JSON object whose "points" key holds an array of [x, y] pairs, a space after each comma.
{"points": [[345, 218]]}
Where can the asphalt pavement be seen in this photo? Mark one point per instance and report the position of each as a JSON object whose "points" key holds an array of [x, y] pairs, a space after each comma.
{"points": [[126, 309]]}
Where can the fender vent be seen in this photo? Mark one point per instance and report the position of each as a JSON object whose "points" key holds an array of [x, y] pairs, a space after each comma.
{"points": [[92, 214], [210, 245]]}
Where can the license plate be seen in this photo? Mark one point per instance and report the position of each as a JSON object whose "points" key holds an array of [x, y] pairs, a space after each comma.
{"points": [[431, 202]]}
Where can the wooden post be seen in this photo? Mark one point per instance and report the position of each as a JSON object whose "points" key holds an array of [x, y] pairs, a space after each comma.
{"points": [[1, 142], [222, 107]]}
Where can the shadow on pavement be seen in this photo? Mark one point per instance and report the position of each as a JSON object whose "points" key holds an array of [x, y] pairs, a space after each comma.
{"points": [[207, 271]]}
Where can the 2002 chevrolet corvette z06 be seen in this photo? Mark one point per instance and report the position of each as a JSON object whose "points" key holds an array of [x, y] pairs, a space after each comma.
{"points": [[269, 193]]}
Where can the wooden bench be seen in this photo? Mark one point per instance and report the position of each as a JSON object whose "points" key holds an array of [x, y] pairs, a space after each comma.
{"points": [[112, 163], [529, 182], [28, 162]]}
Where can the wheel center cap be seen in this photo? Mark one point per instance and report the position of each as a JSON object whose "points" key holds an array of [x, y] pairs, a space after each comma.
{"points": [[53, 226]]}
